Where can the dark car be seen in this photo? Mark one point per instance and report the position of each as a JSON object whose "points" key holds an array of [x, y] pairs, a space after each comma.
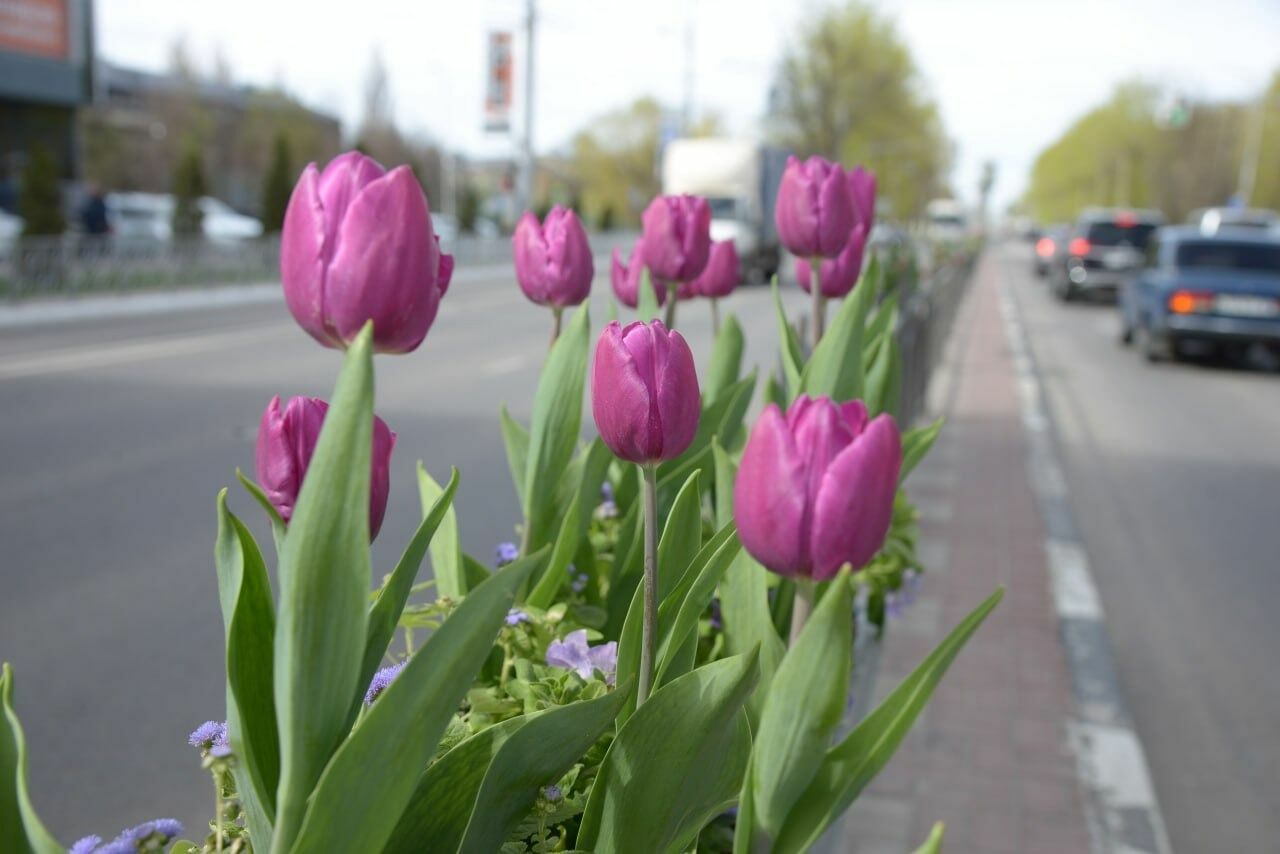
{"points": [[1047, 247], [1218, 291], [1104, 248]]}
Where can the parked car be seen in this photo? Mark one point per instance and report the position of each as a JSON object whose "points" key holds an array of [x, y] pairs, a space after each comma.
{"points": [[1213, 220], [1048, 245], [947, 222], [1104, 248], [144, 218], [1216, 291], [224, 224], [10, 231]]}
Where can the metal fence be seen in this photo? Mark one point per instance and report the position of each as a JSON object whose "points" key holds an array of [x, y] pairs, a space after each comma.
{"points": [[77, 264]]}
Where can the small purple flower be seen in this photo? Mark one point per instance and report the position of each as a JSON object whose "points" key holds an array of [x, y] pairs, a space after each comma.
{"points": [[552, 793], [515, 617], [87, 845], [220, 751], [152, 834], [893, 605], [573, 654], [507, 552], [209, 735], [606, 491], [579, 583], [380, 681], [717, 619], [911, 583], [607, 510]]}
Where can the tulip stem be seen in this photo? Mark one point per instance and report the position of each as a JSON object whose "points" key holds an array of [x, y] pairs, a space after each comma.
{"points": [[715, 317], [819, 301], [670, 318], [556, 312], [802, 607], [650, 627]]}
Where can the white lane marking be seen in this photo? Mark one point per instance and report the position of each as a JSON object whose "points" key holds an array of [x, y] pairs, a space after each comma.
{"points": [[504, 365], [103, 356], [1073, 592], [1112, 758]]}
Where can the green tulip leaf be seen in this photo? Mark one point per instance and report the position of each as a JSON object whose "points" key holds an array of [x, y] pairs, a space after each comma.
{"points": [[916, 445], [792, 356], [554, 576], [324, 574], [557, 422], [691, 600], [676, 763], [369, 782], [853, 763], [884, 378], [722, 419], [835, 369], [804, 707], [248, 617], [883, 325], [445, 543], [726, 359], [21, 830], [273, 515], [933, 845], [384, 613], [516, 440], [647, 307]]}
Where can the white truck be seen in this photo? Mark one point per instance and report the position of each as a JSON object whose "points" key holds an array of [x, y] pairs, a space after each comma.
{"points": [[739, 179]]}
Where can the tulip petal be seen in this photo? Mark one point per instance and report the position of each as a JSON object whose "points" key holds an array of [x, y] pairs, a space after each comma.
{"points": [[385, 266], [303, 254], [855, 500], [529, 248], [675, 377], [384, 442], [340, 183], [620, 399], [855, 416], [769, 497]]}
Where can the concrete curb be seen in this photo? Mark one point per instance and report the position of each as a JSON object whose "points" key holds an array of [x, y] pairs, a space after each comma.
{"points": [[1120, 801]]}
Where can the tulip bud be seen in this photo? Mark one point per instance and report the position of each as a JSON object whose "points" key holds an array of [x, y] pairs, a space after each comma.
{"points": [[677, 237], [644, 392], [722, 272], [357, 245], [815, 488], [862, 190], [626, 278], [839, 274], [286, 441], [553, 259], [814, 211]]}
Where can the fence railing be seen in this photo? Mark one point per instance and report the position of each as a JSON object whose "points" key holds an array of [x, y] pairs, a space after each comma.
{"points": [[79, 264]]}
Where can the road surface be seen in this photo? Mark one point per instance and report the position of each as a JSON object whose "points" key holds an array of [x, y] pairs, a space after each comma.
{"points": [[1174, 474], [117, 434]]}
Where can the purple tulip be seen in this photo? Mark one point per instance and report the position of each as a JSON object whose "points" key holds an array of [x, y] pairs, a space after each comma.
{"points": [[839, 274], [677, 237], [862, 189], [357, 246], [644, 392], [814, 211], [815, 488], [286, 441], [553, 259], [626, 278], [722, 273]]}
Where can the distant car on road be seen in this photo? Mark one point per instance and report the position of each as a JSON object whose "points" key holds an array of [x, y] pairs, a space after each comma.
{"points": [[1104, 248], [1213, 220], [1049, 244], [146, 218], [947, 221], [1217, 291]]}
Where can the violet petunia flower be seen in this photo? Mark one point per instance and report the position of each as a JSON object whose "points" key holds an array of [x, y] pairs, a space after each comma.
{"points": [[574, 654]]}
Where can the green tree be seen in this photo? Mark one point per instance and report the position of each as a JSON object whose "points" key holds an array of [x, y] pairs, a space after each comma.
{"points": [[615, 161], [468, 208], [848, 89], [40, 204], [278, 186], [188, 187]]}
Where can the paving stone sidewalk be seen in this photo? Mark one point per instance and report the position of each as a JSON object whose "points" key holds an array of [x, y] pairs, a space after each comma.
{"points": [[990, 756]]}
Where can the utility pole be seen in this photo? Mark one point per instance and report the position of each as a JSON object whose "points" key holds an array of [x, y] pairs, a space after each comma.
{"points": [[524, 189]]}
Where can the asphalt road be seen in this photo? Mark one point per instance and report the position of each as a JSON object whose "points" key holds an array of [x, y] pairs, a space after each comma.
{"points": [[116, 434], [1174, 473]]}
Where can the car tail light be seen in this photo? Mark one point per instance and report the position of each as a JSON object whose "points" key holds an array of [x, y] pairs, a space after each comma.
{"points": [[1126, 220], [1078, 246], [1190, 302], [1044, 247]]}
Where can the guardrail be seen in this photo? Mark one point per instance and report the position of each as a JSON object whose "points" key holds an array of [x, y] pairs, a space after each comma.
{"points": [[77, 264]]}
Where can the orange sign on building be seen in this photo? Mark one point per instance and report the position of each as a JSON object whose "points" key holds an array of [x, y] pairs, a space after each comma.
{"points": [[35, 27]]}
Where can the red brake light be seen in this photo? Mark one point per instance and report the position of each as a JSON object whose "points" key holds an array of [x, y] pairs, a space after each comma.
{"points": [[1126, 220], [1044, 247], [1078, 246], [1190, 302]]}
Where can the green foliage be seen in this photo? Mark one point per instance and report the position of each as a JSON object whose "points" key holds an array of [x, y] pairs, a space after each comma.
{"points": [[849, 90], [613, 161], [726, 359], [835, 368], [446, 547], [20, 828], [277, 187], [189, 185], [40, 203], [469, 202], [932, 845]]}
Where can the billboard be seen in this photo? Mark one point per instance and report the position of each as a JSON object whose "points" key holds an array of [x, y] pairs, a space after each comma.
{"points": [[498, 80], [35, 28]]}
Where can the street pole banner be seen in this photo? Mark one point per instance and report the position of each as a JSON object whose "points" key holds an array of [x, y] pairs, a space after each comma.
{"points": [[34, 27], [498, 80]]}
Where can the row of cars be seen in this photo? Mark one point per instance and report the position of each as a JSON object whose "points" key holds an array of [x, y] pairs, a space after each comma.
{"points": [[1211, 285]]}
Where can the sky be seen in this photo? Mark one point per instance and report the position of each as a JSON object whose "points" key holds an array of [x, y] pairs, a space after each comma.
{"points": [[1009, 75]]}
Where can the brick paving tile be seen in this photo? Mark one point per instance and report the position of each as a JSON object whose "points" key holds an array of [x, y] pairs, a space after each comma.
{"points": [[990, 756]]}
